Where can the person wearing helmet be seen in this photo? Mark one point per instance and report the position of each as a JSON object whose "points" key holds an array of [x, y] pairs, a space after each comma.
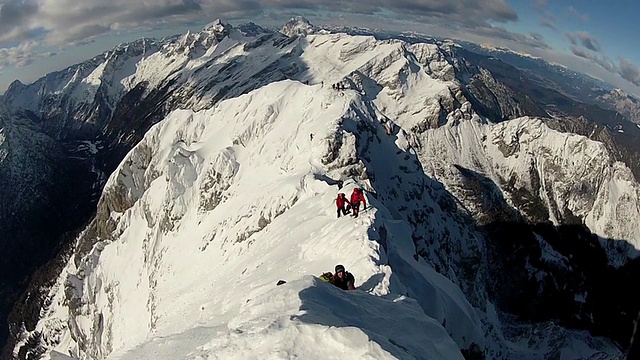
{"points": [[342, 204], [343, 279], [357, 196]]}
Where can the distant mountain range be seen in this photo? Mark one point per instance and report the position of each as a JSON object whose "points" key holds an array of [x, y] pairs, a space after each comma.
{"points": [[578, 86]]}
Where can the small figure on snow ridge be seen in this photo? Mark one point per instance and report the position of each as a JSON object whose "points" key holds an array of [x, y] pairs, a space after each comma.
{"points": [[343, 279], [356, 197], [342, 204]]}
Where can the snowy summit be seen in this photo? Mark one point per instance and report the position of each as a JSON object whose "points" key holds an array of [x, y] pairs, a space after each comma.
{"points": [[298, 25]]}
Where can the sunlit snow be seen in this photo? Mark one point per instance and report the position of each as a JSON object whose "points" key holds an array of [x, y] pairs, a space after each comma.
{"points": [[213, 207], [181, 281]]}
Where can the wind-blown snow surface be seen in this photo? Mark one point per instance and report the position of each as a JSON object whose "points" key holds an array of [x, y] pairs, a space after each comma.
{"points": [[224, 203], [212, 208]]}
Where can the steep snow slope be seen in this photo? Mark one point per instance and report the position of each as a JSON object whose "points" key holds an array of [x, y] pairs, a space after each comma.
{"points": [[416, 87], [212, 208], [219, 206], [573, 176]]}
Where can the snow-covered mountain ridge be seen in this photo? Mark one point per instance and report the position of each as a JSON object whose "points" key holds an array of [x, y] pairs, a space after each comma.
{"points": [[414, 126], [184, 223], [195, 173]]}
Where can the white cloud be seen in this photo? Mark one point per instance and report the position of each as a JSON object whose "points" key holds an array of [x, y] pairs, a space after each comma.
{"points": [[549, 24], [57, 22], [591, 50], [540, 3], [603, 61], [587, 47], [600, 66], [629, 71], [585, 39], [21, 55]]}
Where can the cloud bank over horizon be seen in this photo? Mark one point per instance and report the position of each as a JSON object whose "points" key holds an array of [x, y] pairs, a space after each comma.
{"points": [[63, 22]]}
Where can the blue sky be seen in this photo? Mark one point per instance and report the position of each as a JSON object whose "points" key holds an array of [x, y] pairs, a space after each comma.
{"points": [[594, 37], [609, 29]]}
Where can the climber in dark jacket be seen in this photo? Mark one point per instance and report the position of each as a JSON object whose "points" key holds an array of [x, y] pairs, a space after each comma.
{"points": [[343, 279]]}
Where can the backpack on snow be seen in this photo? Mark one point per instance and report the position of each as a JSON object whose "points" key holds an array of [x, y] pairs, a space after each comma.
{"points": [[326, 277]]}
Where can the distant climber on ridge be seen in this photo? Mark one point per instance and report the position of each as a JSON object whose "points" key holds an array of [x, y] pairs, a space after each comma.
{"points": [[342, 204], [343, 279], [356, 197]]}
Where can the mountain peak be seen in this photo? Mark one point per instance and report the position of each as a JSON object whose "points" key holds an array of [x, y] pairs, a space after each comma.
{"points": [[216, 25], [298, 25], [16, 84], [301, 19], [251, 29], [619, 92], [218, 28]]}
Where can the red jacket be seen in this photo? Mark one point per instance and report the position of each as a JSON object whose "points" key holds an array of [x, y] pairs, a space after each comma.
{"points": [[357, 196], [341, 200]]}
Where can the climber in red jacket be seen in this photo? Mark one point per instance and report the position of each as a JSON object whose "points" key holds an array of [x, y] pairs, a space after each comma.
{"points": [[356, 197], [342, 204]]}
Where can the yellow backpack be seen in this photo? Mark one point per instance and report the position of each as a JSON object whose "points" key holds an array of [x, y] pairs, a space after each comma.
{"points": [[326, 277]]}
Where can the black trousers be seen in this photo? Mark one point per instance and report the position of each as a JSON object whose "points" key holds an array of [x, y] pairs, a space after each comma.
{"points": [[356, 208], [344, 210]]}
